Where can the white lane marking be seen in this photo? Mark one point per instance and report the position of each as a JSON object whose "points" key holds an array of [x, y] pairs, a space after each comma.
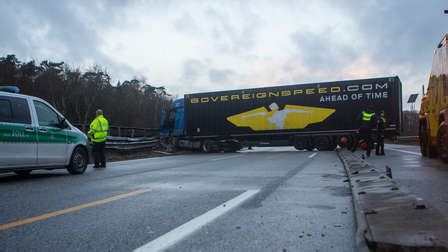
{"points": [[312, 155], [222, 158], [172, 237], [404, 151]]}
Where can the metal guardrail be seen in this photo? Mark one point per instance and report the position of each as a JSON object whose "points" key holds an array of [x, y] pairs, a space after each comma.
{"points": [[120, 131], [128, 138], [127, 143]]}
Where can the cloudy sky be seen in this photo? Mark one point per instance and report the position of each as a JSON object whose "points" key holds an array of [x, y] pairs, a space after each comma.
{"points": [[193, 46]]}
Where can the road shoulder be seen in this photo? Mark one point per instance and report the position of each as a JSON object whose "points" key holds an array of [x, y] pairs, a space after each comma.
{"points": [[389, 219]]}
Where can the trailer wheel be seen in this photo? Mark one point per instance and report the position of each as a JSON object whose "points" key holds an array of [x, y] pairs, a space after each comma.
{"points": [[301, 144], [333, 144], [322, 143], [442, 141]]}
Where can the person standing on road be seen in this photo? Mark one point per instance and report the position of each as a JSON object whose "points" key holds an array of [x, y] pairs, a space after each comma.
{"points": [[366, 121], [98, 134], [380, 126]]}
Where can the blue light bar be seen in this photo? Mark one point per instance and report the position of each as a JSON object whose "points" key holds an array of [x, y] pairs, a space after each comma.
{"points": [[10, 89]]}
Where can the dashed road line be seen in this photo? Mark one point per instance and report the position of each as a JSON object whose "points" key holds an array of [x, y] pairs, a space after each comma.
{"points": [[174, 236], [312, 155], [71, 209]]}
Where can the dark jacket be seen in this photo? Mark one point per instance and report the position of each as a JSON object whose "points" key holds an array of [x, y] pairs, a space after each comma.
{"points": [[381, 123]]}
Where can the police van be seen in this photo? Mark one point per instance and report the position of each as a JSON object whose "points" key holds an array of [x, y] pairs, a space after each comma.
{"points": [[34, 135]]}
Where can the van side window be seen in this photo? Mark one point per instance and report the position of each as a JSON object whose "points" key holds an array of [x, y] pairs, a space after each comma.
{"points": [[5, 110], [45, 115], [14, 110]]}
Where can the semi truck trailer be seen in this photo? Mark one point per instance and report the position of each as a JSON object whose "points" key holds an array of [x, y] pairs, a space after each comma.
{"points": [[306, 116], [433, 117]]}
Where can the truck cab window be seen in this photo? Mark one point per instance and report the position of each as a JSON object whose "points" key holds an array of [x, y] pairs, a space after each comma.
{"points": [[46, 115], [170, 117]]}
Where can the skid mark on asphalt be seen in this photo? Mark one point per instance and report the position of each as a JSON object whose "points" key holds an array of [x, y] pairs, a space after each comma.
{"points": [[72, 209], [172, 237], [268, 189]]}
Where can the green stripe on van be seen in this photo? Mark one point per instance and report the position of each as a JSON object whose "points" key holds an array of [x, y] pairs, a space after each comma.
{"points": [[16, 133]]}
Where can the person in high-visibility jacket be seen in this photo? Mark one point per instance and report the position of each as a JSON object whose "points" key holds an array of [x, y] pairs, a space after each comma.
{"points": [[366, 120], [380, 126], [98, 134]]}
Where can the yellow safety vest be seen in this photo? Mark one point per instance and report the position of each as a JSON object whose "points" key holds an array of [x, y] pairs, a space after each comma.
{"points": [[98, 129], [367, 117]]}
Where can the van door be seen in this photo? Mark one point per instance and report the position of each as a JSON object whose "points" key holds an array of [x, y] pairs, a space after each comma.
{"points": [[52, 144], [18, 138]]}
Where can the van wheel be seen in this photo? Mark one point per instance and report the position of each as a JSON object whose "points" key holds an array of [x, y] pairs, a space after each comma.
{"points": [[23, 172], [78, 162]]}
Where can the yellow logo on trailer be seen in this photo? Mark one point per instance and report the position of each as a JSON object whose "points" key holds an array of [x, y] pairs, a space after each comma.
{"points": [[291, 117]]}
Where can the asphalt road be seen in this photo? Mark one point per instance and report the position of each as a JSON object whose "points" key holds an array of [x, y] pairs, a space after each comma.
{"points": [[267, 199]]}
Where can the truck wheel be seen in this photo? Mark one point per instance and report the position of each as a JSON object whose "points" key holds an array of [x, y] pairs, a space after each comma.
{"points": [[23, 173], [78, 161], [333, 144], [205, 147], [300, 145], [442, 140]]}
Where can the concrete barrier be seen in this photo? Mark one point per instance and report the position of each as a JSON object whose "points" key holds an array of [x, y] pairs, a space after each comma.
{"points": [[389, 219]]}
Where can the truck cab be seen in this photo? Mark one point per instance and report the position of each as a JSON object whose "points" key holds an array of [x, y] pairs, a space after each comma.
{"points": [[172, 121], [433, 117], [173, 132]]}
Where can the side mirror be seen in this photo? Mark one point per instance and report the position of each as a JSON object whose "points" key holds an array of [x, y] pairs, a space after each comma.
{"points": [[63, 123]]}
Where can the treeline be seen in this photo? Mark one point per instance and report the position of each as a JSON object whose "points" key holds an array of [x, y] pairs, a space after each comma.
{"points": [[77, 94]]}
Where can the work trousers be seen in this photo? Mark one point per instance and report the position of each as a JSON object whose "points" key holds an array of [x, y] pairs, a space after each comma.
{"points": [[380, 144], [98, 154]]}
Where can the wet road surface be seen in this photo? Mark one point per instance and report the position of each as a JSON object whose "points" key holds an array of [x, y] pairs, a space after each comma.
{"points": [[267, 199], [424, 177]]}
